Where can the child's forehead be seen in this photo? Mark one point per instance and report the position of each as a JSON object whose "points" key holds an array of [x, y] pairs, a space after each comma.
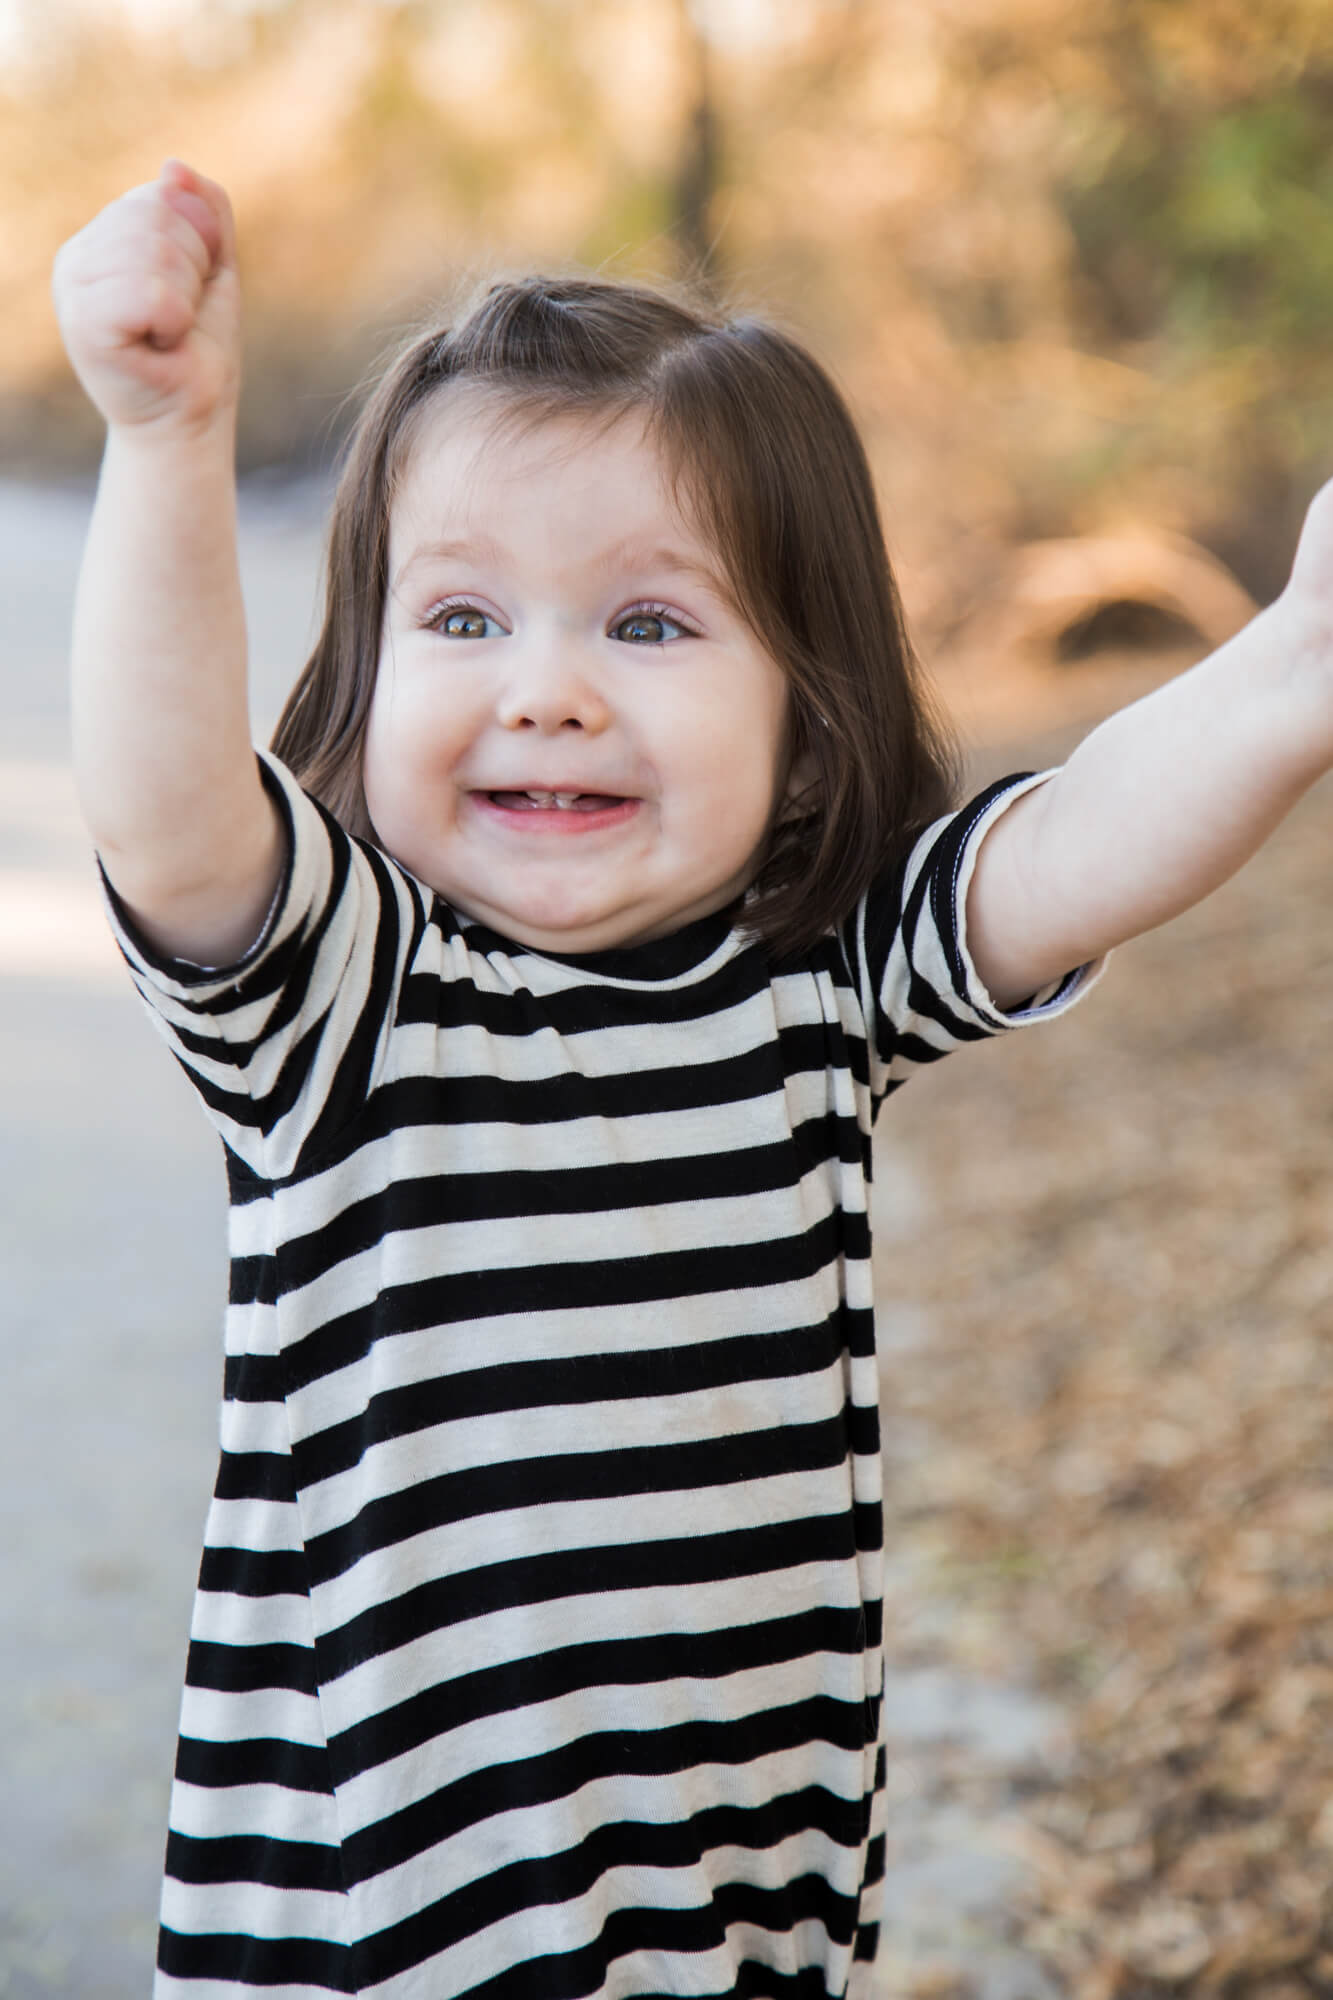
{"points": [[471, 430], [479, 458]]}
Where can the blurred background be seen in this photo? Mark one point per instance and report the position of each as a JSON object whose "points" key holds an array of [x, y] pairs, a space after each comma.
{"points": [[1073, 264], [1074, 268]]}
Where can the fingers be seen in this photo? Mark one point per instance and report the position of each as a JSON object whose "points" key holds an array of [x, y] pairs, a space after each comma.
{"points": [[141, 267], [203, 205], [148, 302]]}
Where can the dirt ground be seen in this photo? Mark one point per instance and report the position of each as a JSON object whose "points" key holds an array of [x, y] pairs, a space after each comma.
{"points": [[1127, 1269]]}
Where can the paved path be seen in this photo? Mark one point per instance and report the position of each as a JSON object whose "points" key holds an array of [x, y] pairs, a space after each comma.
{"points": [[111, 1249], [111, 1233]]}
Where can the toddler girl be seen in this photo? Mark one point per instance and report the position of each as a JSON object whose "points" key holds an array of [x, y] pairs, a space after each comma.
{"points": [[543, 987]]}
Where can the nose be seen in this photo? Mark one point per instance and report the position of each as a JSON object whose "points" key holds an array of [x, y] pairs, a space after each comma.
{"points": [[547, 691]]}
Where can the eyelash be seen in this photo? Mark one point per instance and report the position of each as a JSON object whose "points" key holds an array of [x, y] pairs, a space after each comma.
{"points": [[439, 614], [662, 611]]}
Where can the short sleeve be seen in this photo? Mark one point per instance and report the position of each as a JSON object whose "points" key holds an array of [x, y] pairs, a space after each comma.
{"points": [[908, 945], [284, 1046]]}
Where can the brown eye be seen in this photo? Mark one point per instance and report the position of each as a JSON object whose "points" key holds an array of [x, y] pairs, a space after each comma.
{"points": [[462, 622], [645, 628]]}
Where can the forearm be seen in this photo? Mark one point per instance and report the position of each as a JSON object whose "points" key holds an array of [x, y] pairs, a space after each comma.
{"points": [[158, 656], [1157, 807], [163, 760]]}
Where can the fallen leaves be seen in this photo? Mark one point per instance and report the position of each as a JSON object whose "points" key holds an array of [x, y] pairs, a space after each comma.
{"points": [[1128, 1401]]}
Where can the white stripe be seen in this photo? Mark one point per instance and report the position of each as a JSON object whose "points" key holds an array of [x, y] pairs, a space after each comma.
{"points": [[264, 1526], [490, 1743], [510, 1437], [566, 1926], [534, 1242], [212, 1715], [252, 1909], [425, 1355], [228, 1619], [165, 1988], [277, 1812], [493, 1146]]}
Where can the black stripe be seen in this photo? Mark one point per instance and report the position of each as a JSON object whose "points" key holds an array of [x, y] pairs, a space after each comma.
{"points": [[427, 1201], [558, 1573], [888, 912], [283, 968], [945, 859], [458, 1297], [405, 1102], [858, 1324], [584, 1007], [868, 1517], [571, 1380], [254, 1760], [288, 971], [554, 1774], [243, 1669], [659, 1657], [347, 1089], [254, 1572], [577, 1975], [561, 1878], [281, 1864], [484, 1491], [867, 1944], [255, 1475], [251, 1961], [253, 1378], [253, 1281]]}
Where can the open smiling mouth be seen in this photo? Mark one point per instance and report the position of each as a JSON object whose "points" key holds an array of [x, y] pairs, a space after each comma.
{"points": [[562, 801], [564, 812]]}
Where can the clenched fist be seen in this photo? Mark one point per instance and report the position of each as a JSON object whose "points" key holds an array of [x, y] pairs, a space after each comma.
{"points": [[149, 304]]}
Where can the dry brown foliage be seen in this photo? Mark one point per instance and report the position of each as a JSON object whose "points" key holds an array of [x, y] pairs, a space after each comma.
{"points": [[1127, 1265]]}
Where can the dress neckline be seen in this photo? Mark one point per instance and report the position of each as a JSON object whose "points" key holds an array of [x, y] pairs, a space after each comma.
{"points": [[659, 959]]}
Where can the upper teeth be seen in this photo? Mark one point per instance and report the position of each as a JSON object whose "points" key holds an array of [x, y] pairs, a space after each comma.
{"points": [[553, 798]]}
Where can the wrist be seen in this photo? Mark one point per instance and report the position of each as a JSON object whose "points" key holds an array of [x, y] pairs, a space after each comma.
{"points": [[1291, 680], [175, 433], [169, 460], [1304, 620]]}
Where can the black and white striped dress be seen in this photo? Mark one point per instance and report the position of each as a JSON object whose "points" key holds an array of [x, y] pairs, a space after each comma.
{"points": [[537, 1646]]}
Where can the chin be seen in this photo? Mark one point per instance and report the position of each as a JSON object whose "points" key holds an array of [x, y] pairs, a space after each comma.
{"points": [[574, 937], [544, 929]]}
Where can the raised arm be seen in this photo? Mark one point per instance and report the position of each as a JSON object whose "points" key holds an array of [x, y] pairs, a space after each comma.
{"points": [[1160, 804], [148, 303]]}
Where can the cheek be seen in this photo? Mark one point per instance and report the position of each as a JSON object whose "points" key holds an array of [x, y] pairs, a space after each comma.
{"points": [[376, 750], [750, 752], [392, 756], [407, 725]]}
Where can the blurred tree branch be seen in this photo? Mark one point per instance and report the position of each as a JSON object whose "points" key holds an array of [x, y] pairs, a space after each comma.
{"points": [[696, 176]]}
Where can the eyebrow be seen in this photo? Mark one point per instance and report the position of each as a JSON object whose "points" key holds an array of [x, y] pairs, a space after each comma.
{"points": [[479, 546], [622, 555], [638, 555]]}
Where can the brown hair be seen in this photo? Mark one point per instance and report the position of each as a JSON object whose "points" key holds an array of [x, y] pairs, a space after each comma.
{"points": [[762, 447]]}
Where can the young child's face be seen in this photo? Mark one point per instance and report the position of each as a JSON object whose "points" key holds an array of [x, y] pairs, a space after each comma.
{"points": [[554, 630]]}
